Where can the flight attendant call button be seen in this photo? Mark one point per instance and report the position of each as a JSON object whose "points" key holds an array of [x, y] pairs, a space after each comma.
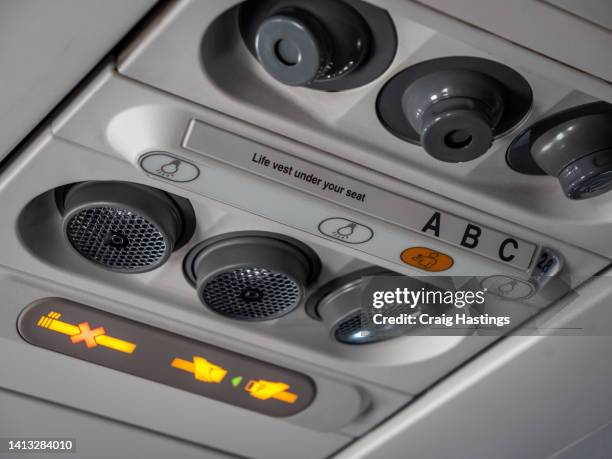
{"points": [[427, 259]]}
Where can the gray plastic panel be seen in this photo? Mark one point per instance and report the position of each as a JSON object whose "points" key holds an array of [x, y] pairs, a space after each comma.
{"points": [[132, 120], [202, 62], [559, 29], [137, 120], [275, 165], [50, 46], [165, 295], [95, 437], [122, 397], [597, 11], [107, 128], [528, 397], [596, 444]]}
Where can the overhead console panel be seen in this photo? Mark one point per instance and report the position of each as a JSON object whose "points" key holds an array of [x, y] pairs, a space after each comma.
{"points": [[235, 181], [387, 125]]}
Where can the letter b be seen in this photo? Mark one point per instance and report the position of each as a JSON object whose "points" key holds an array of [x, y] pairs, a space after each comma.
{"points": [[471, 236]]}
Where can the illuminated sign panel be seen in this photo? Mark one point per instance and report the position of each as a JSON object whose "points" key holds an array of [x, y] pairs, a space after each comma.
{"points": [[83, 332], [151, 353]]}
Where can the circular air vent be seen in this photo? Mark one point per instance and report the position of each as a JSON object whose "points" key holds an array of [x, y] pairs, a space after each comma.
{"points": [[454, 106], [340, 305], [573, 145], [351, 330], [328, 45], [251, 293], [124, 227], [251, 275]]}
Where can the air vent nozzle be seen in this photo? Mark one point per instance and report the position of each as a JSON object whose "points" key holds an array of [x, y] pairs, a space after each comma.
{"points": [[340, 304], [574, 145], [454, 106], [251, 275], [124, 227], [328, 45]]}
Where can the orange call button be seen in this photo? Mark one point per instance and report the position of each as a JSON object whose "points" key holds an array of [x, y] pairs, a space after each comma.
{"points": [[426, 259]]}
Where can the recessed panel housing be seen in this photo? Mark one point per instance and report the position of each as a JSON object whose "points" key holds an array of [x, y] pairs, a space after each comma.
{"points": [[151, 353]]}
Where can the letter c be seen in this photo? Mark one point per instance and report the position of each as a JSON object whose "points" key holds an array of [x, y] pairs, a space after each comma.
{"points": [[502, 249]]}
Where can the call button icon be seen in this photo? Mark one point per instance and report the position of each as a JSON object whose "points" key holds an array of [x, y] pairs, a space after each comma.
{"points": [[427, 259]]}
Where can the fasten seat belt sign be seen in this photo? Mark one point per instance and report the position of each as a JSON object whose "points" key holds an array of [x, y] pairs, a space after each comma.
{"points": [[479, 239]]}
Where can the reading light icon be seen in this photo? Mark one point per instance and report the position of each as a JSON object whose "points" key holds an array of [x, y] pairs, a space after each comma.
{"points": [[202, 369], [265, 390], [345, 231], [83, 333], [170, 168]]}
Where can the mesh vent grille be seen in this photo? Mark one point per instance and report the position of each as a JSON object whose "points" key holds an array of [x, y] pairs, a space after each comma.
{"points": [[358, 328], [97, 233], [249, 293], [347, 329]]}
